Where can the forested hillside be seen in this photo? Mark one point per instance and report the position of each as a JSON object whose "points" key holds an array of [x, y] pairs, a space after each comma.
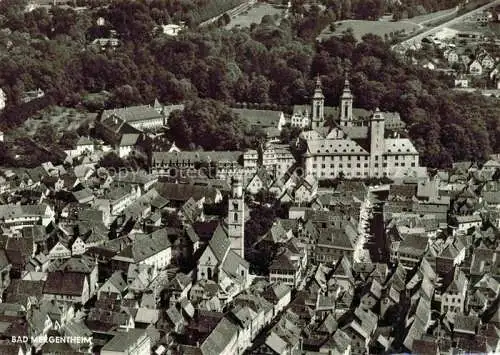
{"points": [[267, 64], [373, 9]]}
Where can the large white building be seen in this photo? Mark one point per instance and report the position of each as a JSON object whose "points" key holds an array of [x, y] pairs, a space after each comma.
{"points": [[20, 216], [356, 147], [144, 117]]}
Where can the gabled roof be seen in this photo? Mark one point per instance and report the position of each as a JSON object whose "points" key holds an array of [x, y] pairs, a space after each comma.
{"points": [[117, 279], [82, 264], [263, 175], [344, 146], [466, 324], [147, 315], [117, 193], [343, 268], [276, 343], [487, 282], [427, 347], [336, 237], [124, 341], [355, 132], [459, 282], [84, 141], [276, 234], [191, 233], [413, 244], [146, 246], [232, 262], [182, 192], [133, 113], [218, 157], [341, 341], [19, 250], [280, 290], [180, 282], [220, 243], [469, 218], [64, 283], [329, 325], [20, 290], [402, 192], [130, 139], [283, 263], [18, 211], [219, 338], [135, 178], [244, 314]]}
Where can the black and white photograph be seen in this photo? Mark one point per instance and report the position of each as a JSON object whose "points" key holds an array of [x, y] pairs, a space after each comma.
{"points": [[249, 177]]}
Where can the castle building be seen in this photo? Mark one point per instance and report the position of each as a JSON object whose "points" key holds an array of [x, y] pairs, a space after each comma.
{"points": [[357, 146]]}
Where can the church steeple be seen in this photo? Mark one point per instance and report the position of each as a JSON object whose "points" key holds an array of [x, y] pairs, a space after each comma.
{"points": [[318, 106], [346, 100], [318, 92], [377, 143], [236, 217]]}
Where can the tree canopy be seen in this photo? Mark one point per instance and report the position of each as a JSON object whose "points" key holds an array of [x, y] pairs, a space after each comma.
{"points": [[211, 124], [268, 64]]}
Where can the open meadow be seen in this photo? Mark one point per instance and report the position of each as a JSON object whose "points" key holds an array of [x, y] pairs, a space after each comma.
{"points": [[362, 27]]}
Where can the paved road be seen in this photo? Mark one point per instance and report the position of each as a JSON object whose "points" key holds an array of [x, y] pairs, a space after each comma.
{"points": [[235, 11], [439, 17], [416, 40]]}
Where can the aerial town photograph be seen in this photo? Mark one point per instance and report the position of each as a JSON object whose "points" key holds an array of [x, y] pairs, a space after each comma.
{"points": [[245, 177]]}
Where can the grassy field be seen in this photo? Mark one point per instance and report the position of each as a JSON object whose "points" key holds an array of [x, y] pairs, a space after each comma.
{"points": [[361, 27], [61, 118], [254, 15]]}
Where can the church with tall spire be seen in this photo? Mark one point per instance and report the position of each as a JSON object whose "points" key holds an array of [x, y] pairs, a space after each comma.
{"points": [[346, 103], [318, 107], [356, 145], [314, 116], [223, 260]]}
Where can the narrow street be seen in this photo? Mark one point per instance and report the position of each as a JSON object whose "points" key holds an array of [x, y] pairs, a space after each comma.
{"points": [[377, 243]]}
